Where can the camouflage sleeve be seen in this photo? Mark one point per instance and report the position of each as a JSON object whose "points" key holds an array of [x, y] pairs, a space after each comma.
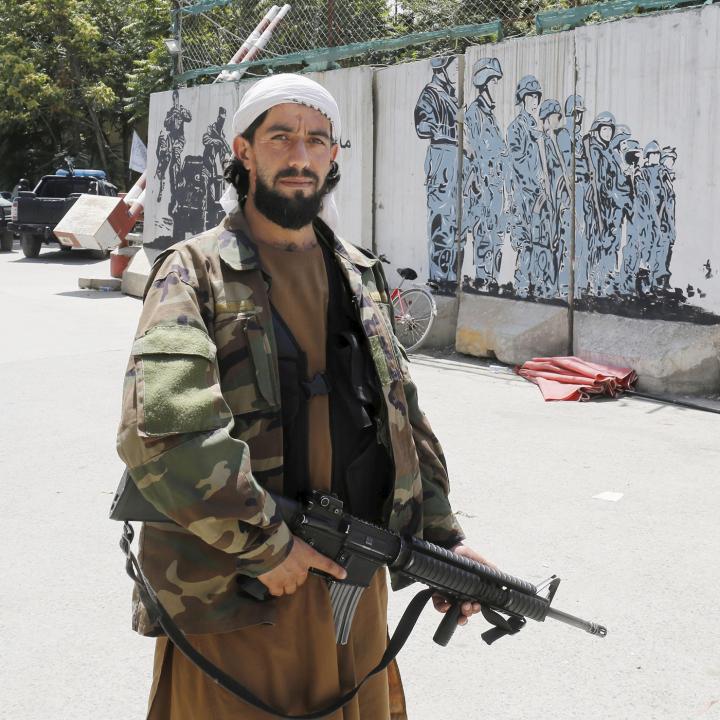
{"points": [[175, 431], [439, 523]]}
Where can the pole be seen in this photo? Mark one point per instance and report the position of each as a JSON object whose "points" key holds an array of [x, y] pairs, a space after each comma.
{"points": [[248, 44]]}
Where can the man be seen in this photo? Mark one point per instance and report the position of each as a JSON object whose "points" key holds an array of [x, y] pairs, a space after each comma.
{"points": [[436, 120], [253, 336], [525, 177], [485, 179]]}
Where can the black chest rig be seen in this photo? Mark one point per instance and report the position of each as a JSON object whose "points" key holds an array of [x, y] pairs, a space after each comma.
{"points": [[362, 470]]}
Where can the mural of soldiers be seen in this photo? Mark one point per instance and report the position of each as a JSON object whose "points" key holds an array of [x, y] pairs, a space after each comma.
{"points": [[485, 175], [642, 224], [668, 157], [216, 149], [614, 203], [658, 257], [550, 264], [435, 120], [585, 199], [174, 125], [525, 177]]}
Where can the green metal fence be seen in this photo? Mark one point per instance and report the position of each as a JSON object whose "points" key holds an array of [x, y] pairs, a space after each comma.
{"points": [[322, 34]]}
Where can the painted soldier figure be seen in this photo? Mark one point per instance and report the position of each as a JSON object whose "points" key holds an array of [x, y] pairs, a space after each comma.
{"points": [[585, 198], [174, 125], [641, 227], [485, 176], [668, 157], [524, 178], [550, 262], [658, 257], [436, 120], [215, 151], [613, 192]]}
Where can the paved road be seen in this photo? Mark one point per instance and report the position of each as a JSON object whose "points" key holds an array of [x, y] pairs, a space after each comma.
{"points": [[525, 474]]}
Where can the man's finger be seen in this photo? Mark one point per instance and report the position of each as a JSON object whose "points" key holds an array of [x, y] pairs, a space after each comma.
{"points": [[321, 562]]}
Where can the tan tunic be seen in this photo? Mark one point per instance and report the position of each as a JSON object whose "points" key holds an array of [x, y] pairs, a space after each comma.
{"points": [[294, 665]]}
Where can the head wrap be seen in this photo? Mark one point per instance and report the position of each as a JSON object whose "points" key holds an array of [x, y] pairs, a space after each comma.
{"points": [[277, 90]]}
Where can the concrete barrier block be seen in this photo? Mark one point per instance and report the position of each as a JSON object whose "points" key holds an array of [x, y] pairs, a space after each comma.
{"points": [[442, 332], [512, 331], [669, 357], [92, 222], [136, 274]]}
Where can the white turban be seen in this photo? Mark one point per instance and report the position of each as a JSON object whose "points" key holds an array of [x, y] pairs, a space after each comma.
{"points": [[276, 90]]}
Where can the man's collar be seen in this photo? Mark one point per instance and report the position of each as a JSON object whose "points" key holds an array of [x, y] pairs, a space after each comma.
{"points": [[238, 250]]}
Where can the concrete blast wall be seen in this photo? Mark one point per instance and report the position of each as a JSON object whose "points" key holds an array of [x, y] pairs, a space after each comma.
{"points": [[558, 192]]}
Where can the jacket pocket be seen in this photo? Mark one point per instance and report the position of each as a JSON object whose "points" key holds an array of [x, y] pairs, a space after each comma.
{"points": [[177, 382], [246, 363]]}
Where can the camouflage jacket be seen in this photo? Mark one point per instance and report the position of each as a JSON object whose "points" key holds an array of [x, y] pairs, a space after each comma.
{"points": [[201, 429]]}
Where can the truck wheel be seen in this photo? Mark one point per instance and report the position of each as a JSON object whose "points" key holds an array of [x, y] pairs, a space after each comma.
{"points": [[6, 241], [30, 245]]}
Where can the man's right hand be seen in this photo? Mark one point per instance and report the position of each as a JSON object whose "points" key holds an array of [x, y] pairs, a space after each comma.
{"points": [[292, 572]]}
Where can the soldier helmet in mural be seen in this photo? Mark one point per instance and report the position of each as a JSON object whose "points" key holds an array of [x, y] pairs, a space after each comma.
{"points": [[604, 118], [622, 132], [652, 147], [548, 108], [632, 152], [574, 103], [440, 63], [668, 153], [485, 70], [528, 85]]}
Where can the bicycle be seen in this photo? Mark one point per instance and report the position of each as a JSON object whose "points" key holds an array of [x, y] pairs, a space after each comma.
{"points": [[414, 310]]}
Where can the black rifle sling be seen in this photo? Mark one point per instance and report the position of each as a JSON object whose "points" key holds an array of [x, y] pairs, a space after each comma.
{"points": [[177, 637]]}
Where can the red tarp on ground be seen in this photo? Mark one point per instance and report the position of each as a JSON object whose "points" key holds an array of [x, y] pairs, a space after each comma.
{"points": [[570, 378]]}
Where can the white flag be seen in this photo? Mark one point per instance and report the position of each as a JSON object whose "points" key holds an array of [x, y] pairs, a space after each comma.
{"points": [[138, 154]]}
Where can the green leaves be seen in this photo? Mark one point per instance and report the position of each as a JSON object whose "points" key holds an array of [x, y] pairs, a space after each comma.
{"points": [[75, 77]]}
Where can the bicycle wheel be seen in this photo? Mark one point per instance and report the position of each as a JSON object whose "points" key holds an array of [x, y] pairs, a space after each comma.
{"points": [[414, 311]]}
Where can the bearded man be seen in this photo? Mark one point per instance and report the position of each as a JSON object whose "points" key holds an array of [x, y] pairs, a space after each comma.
{"points": [[265, 362]]}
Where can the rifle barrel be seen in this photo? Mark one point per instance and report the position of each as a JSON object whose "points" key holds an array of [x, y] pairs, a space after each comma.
{"points": [[590, 627]]}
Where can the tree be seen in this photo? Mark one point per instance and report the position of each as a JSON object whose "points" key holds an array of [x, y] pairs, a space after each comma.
{"points": [[75, 76]]}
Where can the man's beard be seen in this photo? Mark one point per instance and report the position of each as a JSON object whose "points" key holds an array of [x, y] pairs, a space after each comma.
{"points": [[291, 213]]}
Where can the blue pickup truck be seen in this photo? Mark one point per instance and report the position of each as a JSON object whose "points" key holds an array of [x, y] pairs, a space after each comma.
{"points": [[35, 213]]}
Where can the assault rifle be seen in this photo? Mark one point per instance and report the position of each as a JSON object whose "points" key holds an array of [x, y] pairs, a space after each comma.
{"points": [[362, 548]]}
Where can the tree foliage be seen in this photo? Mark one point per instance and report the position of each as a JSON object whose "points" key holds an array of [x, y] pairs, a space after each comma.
{"points": [[75, 78]]}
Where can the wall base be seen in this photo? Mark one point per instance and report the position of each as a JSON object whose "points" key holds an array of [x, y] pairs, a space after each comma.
{"points": [[442, 333], [669, 357], [512, 331]]}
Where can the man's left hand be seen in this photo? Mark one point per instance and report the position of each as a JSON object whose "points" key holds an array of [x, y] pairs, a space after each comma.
{"points": [[468, 609]]}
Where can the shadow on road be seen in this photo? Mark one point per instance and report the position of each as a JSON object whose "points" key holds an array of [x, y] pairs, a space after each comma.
{"points": [[62, 257], [92, 294]]}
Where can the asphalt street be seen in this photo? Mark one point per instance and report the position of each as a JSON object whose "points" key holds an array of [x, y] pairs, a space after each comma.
{"points": [[525, 480]]}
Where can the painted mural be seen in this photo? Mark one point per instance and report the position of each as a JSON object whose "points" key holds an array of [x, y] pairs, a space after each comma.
{"points": [[189, 186], [436, 121], [550, 178]]}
